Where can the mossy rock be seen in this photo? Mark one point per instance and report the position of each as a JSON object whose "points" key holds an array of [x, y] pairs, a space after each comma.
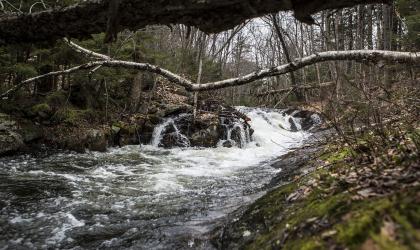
{"points": [[57, 98], [42, 110], [75, 117], [10, 142]]}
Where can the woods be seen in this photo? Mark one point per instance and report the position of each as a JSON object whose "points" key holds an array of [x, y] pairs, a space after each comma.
{"points": [[270, 124]]}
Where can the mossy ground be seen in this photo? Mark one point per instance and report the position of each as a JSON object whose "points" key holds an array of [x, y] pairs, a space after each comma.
{"points": [[347, 203]]}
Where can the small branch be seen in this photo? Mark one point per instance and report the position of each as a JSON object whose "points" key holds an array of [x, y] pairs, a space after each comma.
{"points": [[85, 51], [6, 94]]}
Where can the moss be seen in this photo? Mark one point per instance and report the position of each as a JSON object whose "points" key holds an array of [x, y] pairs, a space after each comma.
{"points": [[75, 117], [305, 244], [364, 220], [42, 110], [57, 98], [316, 205], [126, 128], [42, 107], [337, 155], [385, 243]]}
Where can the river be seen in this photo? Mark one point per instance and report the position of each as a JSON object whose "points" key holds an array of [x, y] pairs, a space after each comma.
{"points": [[136, 197]]}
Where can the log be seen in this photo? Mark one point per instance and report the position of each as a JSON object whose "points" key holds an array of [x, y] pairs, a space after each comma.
{"points": [[91, 16]]}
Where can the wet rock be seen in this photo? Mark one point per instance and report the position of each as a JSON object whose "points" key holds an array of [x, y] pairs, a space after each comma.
{"points": [[174, 139], [29, 131], [308, 120], [10, 142], [96, 140], [227, 144], [206, 137], [293, 126], [155, 119], [42, 110]]}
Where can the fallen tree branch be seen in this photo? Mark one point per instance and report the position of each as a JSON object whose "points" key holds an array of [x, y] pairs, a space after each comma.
{"points": [[89, 17], [374, 56]]}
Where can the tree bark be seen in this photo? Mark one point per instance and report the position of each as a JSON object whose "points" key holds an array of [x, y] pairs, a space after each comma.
{"points": [[91, 16]]}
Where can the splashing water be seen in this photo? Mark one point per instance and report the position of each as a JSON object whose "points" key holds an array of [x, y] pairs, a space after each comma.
{"points": [[137, 197], [159, 131]]}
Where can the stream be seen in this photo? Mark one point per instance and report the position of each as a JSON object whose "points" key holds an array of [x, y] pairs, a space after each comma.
{"points": [[137, 197]]}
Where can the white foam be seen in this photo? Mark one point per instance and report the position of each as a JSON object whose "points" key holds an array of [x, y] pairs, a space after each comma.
{"points": [[59, 233], [271, 141]]}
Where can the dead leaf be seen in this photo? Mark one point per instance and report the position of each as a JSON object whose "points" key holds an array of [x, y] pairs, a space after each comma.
{"points": [[389, 229]]}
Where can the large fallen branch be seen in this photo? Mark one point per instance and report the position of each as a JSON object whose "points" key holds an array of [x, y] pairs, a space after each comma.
{"points": [[92, 16], [373, 56]]}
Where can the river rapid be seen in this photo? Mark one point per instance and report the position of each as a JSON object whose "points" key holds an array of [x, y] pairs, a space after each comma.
{"points": [[137, 197]]}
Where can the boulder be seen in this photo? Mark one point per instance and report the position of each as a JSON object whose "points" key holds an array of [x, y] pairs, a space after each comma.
{"points": [[42, 110], [227, 144], [10, 140], [307, 119], [29, 131], [176, 109], [96, 140], [206, 137]]}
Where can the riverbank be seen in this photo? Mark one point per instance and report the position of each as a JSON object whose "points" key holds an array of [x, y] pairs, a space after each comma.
{"points": [[340, 199]]}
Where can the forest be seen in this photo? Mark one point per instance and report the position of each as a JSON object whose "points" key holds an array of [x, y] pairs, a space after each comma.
{"points": [[236, 124]]}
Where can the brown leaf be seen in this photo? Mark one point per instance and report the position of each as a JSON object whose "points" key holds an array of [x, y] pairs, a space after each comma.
{"points": [[388, 230]]}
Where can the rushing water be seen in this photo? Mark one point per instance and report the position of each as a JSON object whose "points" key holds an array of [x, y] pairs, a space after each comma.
{"points": [[135, 197]]}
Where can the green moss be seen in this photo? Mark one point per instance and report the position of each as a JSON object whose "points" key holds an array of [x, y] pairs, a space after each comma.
{"points": [[41, 107], [337, 156], [316, 205], [387, 244], [310, 245], [75, 117], [364, 220], [57, 98], [125, 127], [43, 110]]}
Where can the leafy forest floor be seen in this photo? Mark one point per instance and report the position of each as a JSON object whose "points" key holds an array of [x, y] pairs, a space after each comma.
{"points": [[364, 196]]}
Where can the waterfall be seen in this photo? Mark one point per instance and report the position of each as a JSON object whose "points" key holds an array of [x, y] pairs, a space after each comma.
{"points": [[175, 131], [160, 130]]}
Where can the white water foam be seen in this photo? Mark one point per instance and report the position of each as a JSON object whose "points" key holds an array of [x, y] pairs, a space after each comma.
{"points": [[142, 182], [270, 141]]}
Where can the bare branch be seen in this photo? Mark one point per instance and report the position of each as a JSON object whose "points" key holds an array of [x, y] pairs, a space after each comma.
{"points": [[374, 56], [85, 51], [6, 94]]}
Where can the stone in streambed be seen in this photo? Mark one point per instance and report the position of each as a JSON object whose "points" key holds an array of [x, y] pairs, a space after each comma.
{"points": [[96, 140], [15, 133], [227, 144], [206, 137]]}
